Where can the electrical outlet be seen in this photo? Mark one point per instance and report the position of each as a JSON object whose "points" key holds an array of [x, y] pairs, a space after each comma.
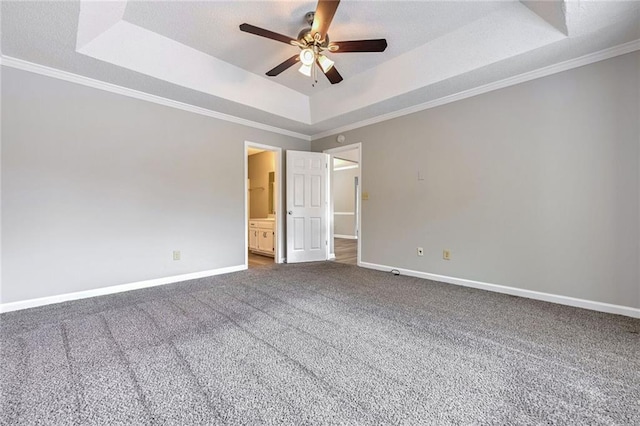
{"points": [[176, 255], [420, 251], [446, 254]]}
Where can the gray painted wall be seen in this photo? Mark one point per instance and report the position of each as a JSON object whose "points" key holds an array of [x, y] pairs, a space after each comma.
{"points": [[535, 186], [344, 193], [98, 189]]}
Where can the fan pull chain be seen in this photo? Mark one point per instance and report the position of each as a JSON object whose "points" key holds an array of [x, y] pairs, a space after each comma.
{"points": [[314, 72]]}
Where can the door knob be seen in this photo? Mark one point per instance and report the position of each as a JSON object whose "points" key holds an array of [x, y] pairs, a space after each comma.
{"points": [[290, 212]]}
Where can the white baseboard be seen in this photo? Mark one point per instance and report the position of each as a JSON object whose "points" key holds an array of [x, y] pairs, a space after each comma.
{"points": [[547, 297], [348, 237], [530, 294], [32, 303]]}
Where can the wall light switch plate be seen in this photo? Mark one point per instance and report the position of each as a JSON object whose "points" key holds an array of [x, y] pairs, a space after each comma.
{"points": [[365, 196], [176, 255], [446, 254], [420, 251]]}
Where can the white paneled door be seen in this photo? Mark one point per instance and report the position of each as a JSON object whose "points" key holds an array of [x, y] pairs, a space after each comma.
{"points": [[307, 208]]}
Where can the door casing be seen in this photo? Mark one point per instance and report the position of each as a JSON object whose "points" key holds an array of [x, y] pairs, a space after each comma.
{"points": [[278, 201], [331, 153]]}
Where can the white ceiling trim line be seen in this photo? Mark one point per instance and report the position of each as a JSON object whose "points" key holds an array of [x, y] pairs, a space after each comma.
{"points": [[337, 169], [136, 94], [601, 55]]}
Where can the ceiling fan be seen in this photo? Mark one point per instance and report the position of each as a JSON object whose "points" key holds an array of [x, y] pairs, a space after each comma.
{"points": [[314, 41]]}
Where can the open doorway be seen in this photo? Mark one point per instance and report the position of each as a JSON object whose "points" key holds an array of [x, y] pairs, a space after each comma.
{"points": [[263, 209], [345, 184]]}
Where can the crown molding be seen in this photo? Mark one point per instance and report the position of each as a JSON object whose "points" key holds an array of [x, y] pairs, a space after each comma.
{"points": [[601, 55], [20, 64], [354, 166], [590, 58]]}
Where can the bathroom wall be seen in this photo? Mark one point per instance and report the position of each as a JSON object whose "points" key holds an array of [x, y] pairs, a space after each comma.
{"points": [[260, 165]]}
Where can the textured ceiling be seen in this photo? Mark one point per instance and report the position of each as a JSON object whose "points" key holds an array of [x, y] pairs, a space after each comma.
{"points": [[194, 53]]}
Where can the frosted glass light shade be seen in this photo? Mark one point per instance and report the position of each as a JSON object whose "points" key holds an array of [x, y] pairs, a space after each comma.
{"points": [[305, 69], [307, 56], [325, 63]]}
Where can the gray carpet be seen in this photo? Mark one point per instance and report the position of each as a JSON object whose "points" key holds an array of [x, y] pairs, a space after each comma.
{"points": [[321, 343]]}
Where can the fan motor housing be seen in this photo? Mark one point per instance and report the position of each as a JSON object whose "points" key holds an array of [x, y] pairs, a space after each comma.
{"points": [[305, 33], [305, 36], [308, 17]]}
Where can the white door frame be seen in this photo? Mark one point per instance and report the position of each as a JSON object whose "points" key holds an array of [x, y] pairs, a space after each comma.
{"points": [[332, 151], [277, 201]]}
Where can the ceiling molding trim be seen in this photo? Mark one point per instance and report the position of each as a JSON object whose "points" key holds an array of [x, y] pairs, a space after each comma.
{"points": [[354, 166], [590, 58], [136, 94]]}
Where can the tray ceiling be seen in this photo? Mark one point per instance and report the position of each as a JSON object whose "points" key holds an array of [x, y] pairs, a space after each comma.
{"points": [[194, 53]]}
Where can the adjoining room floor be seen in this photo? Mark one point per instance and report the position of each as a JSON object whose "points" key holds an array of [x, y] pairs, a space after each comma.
{"points": [[346, 250], [256, 260]]}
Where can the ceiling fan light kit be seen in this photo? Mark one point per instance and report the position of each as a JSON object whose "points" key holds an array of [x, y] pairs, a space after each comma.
{"points": [[305, 69], [315, 40], [307, 56], [325, 63]]}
